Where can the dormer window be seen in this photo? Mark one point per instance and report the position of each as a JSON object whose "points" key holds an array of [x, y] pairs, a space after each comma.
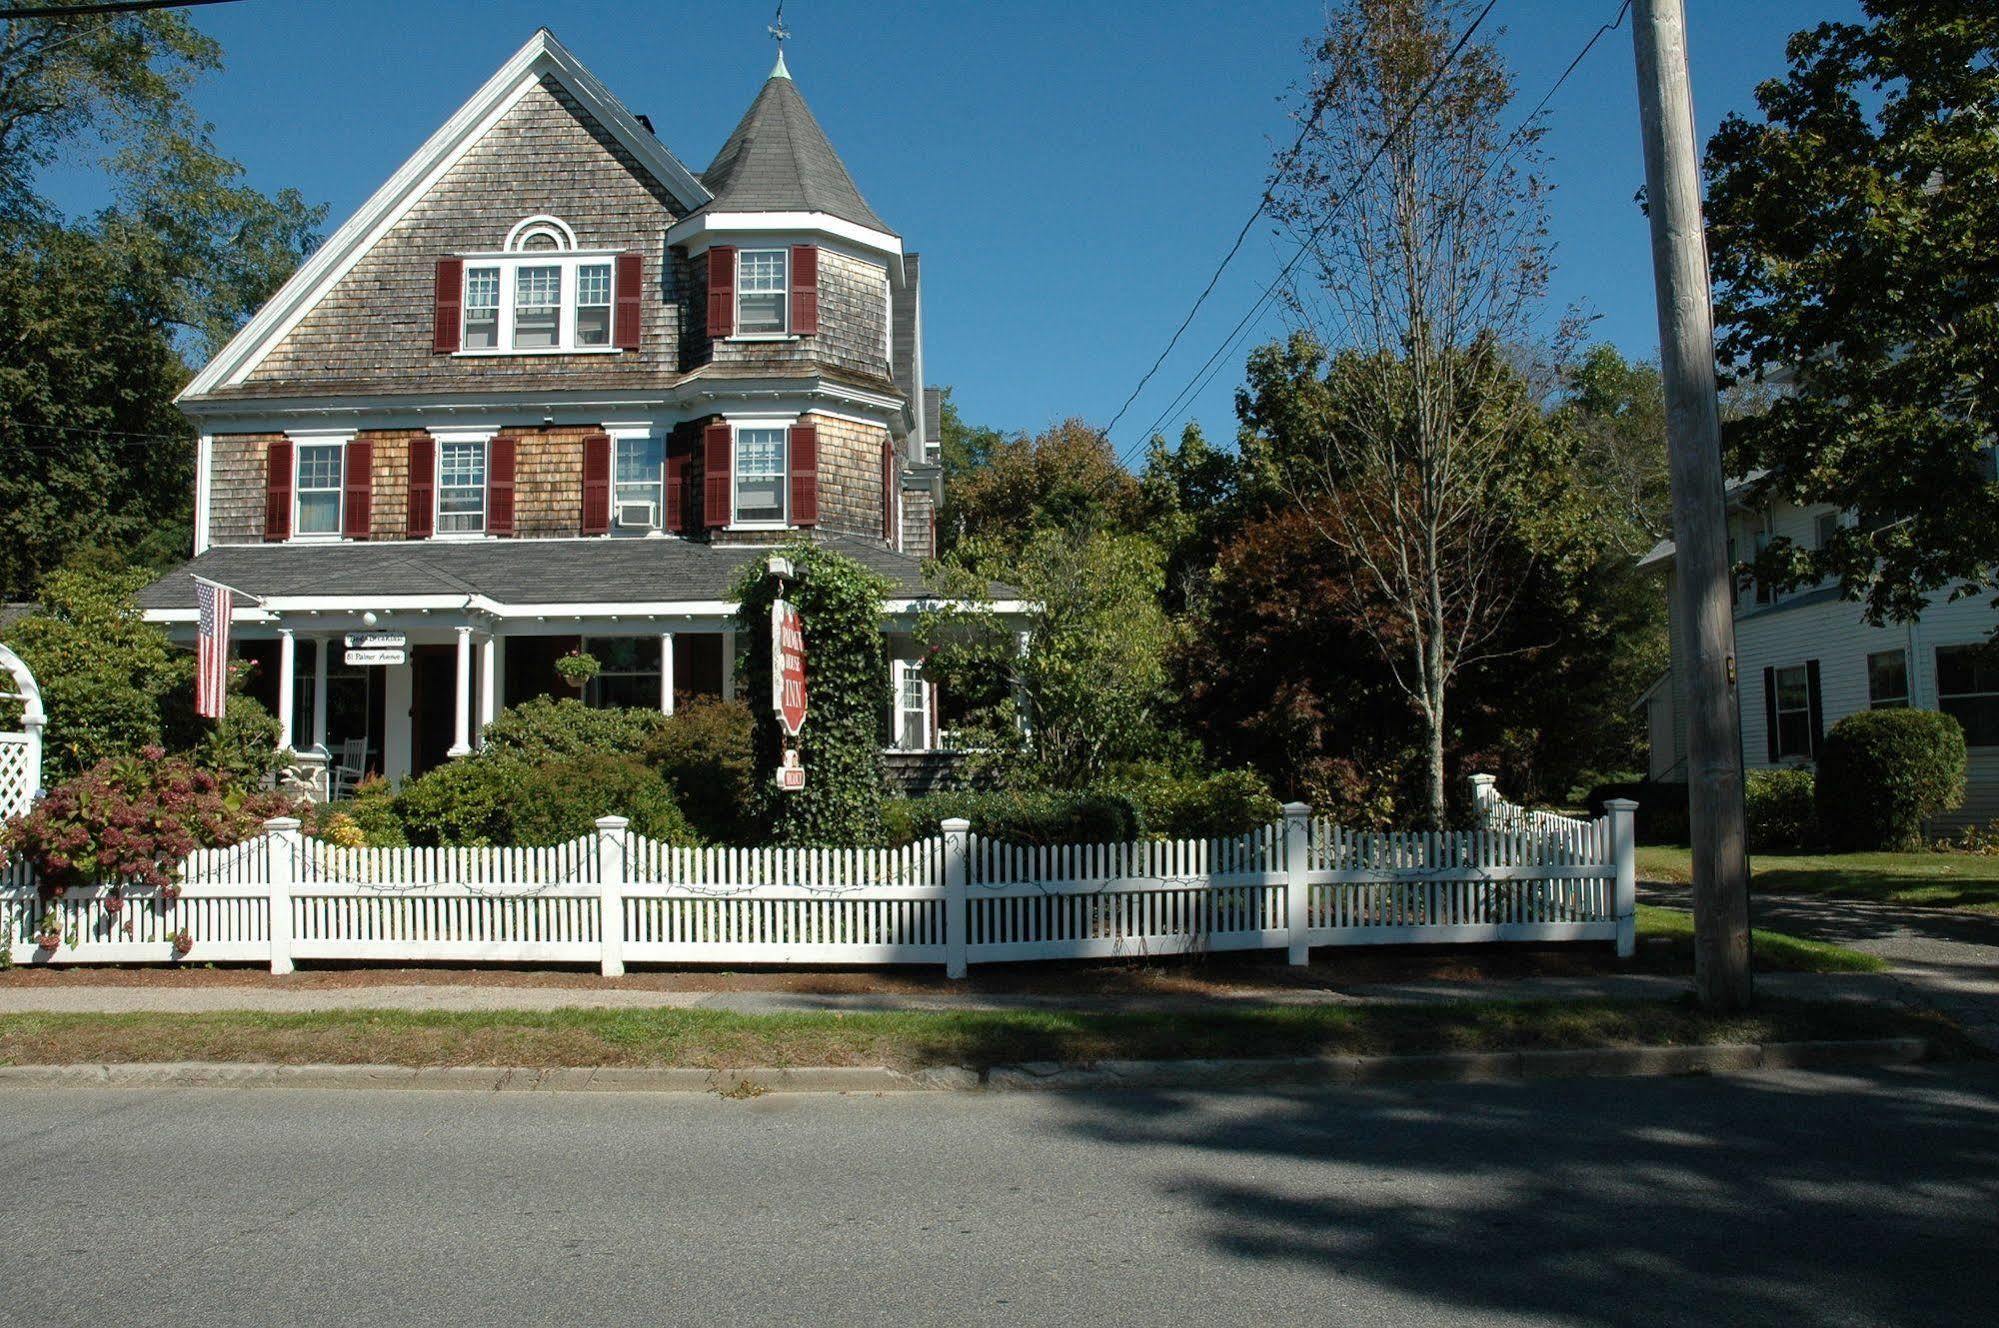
{"points": [[541, 295]]}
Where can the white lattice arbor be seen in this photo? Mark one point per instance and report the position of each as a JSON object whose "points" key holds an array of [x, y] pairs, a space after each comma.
{"points": [[20, 751]]}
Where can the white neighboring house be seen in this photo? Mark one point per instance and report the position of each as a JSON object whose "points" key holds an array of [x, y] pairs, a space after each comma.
{"points": [[1807, 659]]}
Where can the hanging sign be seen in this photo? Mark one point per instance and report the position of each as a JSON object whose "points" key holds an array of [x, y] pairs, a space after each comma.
{"points": [[787, 667], [791, 775], [375, 657], [376, 641]]}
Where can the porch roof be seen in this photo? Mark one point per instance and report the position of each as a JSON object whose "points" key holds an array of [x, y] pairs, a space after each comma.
{"points": [[504, 572]]}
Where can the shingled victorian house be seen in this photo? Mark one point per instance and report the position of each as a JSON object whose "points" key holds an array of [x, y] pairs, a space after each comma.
{"points": [[549, 386]]}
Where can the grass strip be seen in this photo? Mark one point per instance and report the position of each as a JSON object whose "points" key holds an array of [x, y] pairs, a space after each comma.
{"points": [[1668, 933], [1933, 880], [715, 1039]]}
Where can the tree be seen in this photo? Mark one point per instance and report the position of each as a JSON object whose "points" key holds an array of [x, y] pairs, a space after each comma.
{"points": [[1429, 260], [1066, 479], [98, 311], [1190, 496], [1618, 410], [1851, 231], [1086, 690]]}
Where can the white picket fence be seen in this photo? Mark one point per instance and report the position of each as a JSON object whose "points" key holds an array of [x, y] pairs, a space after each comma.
{"points": [[957, 899]]}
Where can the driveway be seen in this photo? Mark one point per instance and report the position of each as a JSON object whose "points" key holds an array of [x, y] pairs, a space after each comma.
{"points": [[1799, 1200], [1947, 959]]}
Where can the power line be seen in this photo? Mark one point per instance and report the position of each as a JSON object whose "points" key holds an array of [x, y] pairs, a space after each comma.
{"points": [[1206, 373], [120, 7], [1409, 115]]}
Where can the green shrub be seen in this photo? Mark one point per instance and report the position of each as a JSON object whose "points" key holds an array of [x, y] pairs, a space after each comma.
{"points": [[703, 751], [503, 799], [242, 744], [1019, 817], [544, 728], [1883, 773], [1780, 810], [372, 809], [1219, 805], [1662, 809]]}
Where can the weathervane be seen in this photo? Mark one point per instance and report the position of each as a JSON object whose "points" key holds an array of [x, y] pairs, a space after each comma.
{"points": [[777, 29]]}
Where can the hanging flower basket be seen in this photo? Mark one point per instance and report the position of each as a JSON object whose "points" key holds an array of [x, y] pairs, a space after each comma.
{"points": [[48, 940], [48, 932], [577, 668], [114, 903], [183, 942]]}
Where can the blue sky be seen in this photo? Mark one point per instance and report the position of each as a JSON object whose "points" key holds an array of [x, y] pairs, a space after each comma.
{"points": [[1071, 172]]}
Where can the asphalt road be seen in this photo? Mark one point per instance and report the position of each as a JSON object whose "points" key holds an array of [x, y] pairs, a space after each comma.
{"points": [[1790, 1199]]}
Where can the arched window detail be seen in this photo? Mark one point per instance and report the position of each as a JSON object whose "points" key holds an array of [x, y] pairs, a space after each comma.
{"points": [[541, 233]]}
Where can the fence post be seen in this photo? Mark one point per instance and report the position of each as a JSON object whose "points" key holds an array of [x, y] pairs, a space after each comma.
{"points": [[1484, 791], [1297, 893], [612, 841], [281, 855], [957, 876], [1624, 853]]}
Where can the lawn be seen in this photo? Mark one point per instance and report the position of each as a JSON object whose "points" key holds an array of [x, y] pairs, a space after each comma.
{"points": [[1667, 934], [911, 1039], [1943, 880]]}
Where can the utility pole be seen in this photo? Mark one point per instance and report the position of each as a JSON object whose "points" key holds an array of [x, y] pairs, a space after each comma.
{"points": [[1702, 574]]}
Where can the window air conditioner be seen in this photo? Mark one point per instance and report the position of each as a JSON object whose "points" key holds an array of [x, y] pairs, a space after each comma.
{"points": [[638, 516]]}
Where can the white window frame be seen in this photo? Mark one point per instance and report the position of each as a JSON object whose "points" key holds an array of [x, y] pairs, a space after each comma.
{"points": [[1778, 710], [736, 427], [1901, 702], [484, 442], [927, 694], [658, 486], [299, 443], [782, 332], [509, 264]]}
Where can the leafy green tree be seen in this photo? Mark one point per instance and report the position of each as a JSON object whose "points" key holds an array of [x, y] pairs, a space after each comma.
{"points": [[839, 603], [1852, 229], [1191, 498], [1066, 479], [1617, 409], [1086, 691]]}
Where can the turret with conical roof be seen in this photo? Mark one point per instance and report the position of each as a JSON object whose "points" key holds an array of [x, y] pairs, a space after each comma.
{"points": [[778, 159]]}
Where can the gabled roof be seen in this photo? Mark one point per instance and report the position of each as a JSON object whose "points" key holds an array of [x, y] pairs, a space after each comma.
{"points": [[542, 57], [779, 160]]}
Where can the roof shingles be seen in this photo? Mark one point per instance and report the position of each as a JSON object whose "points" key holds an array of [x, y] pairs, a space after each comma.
{"points": [[779, 160]]}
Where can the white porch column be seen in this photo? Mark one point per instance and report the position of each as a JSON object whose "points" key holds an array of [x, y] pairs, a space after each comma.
{"points": [[729, 664], [666, 673], [489, 682], [321, 662], [287, 680], [461, 710]]}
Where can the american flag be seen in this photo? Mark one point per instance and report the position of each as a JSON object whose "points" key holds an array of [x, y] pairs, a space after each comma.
{"points": [[211, 649]]}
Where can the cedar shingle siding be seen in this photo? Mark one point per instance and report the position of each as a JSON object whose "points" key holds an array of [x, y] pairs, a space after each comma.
{"points": [[853, 327], [850, 476], [372, 331]]}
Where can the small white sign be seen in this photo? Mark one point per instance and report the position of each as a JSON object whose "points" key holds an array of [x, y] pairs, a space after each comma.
{"points": [[376, 641], [375, 657]]}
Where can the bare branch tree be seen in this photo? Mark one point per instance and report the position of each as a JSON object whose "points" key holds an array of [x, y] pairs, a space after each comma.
{"points": [[1429, 252]]}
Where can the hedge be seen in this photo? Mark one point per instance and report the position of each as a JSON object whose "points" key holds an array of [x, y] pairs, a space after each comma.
{"points": [[1779, 810], [1021, 818], [503, 799], [1883, 773]]}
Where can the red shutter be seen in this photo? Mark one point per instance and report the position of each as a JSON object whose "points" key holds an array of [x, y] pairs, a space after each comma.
{"points": [[450, 305], [423, 487], [805, 289], [278, 491], [357, 520], [722, 291], [715, 498], [500, 486], [631, 301], [597, 484], [804, 475], [888, 492], [676, 498]]}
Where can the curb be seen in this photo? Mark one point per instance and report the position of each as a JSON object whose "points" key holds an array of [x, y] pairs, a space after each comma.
{"points": [[1036, 1076]]}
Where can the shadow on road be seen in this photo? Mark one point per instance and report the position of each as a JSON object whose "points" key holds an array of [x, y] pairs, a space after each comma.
{"points": [[1799, 1200]]}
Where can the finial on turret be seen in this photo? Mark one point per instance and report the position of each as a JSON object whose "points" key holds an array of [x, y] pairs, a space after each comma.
{"points": [[778, 34]]}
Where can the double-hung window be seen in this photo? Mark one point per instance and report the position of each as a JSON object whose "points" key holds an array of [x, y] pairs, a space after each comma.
{"points": [[761, 276], [1888, 680], [912, 709], [461, 488], [538, 307], [593, 304], [318, 488], [1794, 712], [640, 466], [1968, 691], [760, 473], [482, 308], [629, 672]]}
